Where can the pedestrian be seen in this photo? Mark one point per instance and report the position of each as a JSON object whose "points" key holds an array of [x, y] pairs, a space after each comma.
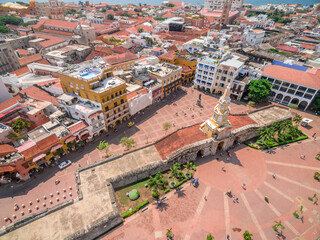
{"points": [[223, 168], [228, 237], [274, 175], [234, 199], [313, 135], [302, 156], [237, 200], [266, 199], [16, 205], [243, 186], [205, 198]]}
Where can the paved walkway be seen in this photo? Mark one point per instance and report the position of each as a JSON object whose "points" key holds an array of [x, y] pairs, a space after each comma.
{"points": [[192, 217]]}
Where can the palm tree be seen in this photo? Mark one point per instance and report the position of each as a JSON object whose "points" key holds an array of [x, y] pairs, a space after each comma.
{"points": [[266, 133], [102, 145], [166, 126], [188, 165], [294, 131], [286, 125], [210, 237], [277, 127], [277, 224], [128, 142], [169, 233], [19, 125], [297, 119], [247, 235]]}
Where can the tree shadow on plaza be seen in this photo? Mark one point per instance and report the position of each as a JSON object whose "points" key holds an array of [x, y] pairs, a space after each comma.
{"points": [[163, 206], [180, 192]]}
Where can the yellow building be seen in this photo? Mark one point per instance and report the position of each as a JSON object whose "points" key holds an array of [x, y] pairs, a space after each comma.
{"points": [[10, 7], [219, 120], [188, 64], [94, 80], [123, 61], [168, 75]]}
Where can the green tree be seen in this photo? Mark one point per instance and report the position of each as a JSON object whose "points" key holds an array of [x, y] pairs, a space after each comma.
{"points": [[316, 104], [210, 237], [277, 225], [14, 136], [19, 125], [4, 29], [188, 165], [128, 142], [110, 16], [259, 90], [6, 19], [170, 5], [102, 145], [266, 134], [126, 14], [297, 119], [103, 10], [166, 126], [286, 125], [169, 233], [140, 30], [247, 235]]}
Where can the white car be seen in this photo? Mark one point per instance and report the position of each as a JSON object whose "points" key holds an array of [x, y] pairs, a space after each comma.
{"points": [[64, 164]]}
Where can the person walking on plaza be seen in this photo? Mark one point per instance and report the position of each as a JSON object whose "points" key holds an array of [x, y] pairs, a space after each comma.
{"points": [[205, 198], [243, 186], [223, 168], [266, 198], [274, 175]]}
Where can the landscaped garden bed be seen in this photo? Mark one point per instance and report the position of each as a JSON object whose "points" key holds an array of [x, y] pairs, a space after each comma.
{"points": [[138, 195], [276, 135]]}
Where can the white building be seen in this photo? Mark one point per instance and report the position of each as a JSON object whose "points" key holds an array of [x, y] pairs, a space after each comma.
{"points": [[216, 72], [84, 109], [194, 45], [254, 37], [218, 4], [139, 100], [293, 86]]}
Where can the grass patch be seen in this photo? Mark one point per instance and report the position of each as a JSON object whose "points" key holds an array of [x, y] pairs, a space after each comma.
{"points": [[253, 143], [129, 213]]}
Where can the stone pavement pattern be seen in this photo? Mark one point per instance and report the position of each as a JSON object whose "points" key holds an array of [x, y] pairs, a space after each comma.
{"points": [[148, 129], [192, 217]]}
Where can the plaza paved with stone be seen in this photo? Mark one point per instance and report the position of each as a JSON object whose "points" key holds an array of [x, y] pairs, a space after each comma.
{"points": [[192, 217], [148, 129]]}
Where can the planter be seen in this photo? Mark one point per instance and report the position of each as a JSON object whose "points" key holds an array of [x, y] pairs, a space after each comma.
{"points": [[172, 184], [188, 175]]}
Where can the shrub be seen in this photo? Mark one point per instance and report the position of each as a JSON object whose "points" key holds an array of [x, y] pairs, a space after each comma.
{"points": [[181, 182], [287, 136], [165, 182], [316, 176], [194, 167], [260, 142], [155, 194], [172, 184], [293, 106], [134, 194], [167, 190], [296, 215], [129, 213], [188, 175]]}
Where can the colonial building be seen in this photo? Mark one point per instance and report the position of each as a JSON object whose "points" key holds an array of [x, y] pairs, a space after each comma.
{"points": [[8, 59], [236, 5], [94, 80], [168, 75], [122, 61]]}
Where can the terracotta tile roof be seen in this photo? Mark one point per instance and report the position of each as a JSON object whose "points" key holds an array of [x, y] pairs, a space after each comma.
{"points": [[44, 61], [6, 104], [31, 152], [310, 78], [48, 142], [29, 59], [78, 127], [6, 149], [121, 58], [22, 52], [288, 49], [240, 121], [39, 94], [105, 50], [171, 55], [61, 23], [49, 40], [185, 69], [4, 169], [57, 32], [119, 49], [20, 71], [308, 46], [179, 139], [95, 114], [94, 54]]}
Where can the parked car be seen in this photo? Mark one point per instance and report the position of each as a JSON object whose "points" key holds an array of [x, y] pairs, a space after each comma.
{"points": [[130, 124], [64, 164]]}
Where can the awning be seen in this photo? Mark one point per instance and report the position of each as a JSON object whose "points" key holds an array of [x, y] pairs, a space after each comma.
{"points": [[85, 136], [85, 132], [56, 147], [4, 169], [70, 139], [38, 157]]}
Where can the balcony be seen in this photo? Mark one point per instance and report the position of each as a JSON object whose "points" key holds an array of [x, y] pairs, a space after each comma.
{"points": [[114, 99]]}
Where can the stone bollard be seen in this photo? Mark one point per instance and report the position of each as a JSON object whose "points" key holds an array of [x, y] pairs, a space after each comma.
{"points": [[58, 192], [70, 188], [51, 194], [57, 199], [64, 190], [29, 210], [6, 219], [51, 202], [23, 206], [70, 194], [45, 197], [30, 203], [64, 196], [44, 205], [14, 216], [38, 200], [37, 207], [22, 213]]}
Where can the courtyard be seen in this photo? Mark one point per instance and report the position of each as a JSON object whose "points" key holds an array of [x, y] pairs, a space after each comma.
{"points": [[187, 211], [192, 213]]}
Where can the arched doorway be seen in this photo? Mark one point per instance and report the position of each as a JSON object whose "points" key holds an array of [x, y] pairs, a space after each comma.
{"points": [[236, 140], [200, 153], [303, 105], [220, 145], [279, 97], [287, 99], [295, 101]]}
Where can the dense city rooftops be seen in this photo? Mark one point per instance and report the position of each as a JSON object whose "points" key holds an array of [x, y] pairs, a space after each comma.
{"points": [[108, 83], [163, 69]]}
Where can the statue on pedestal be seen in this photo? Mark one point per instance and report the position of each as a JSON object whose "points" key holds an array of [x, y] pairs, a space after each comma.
{"points": [[199, 100]]}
